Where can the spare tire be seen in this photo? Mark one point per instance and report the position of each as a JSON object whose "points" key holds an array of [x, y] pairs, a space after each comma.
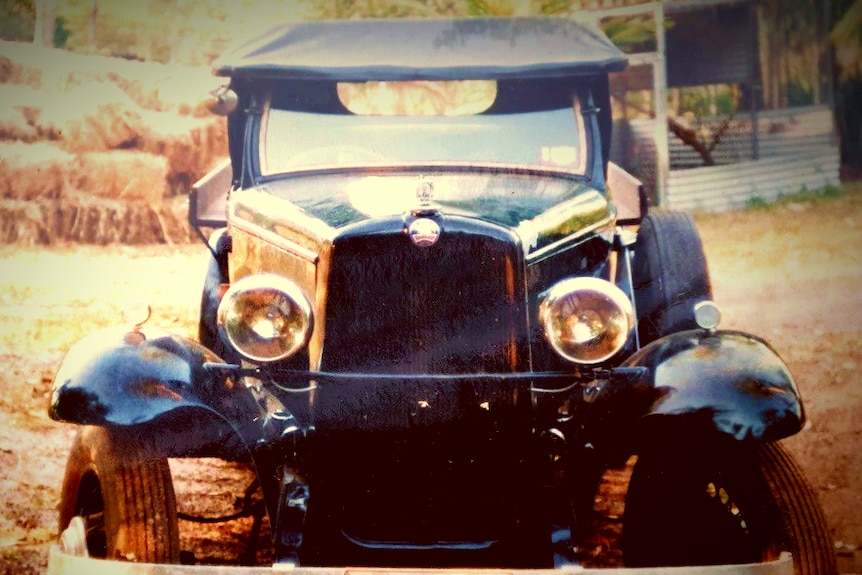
{"points": [[670, 274]]}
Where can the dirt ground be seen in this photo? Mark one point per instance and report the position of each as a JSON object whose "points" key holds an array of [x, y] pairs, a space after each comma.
{"points": [[792, 274]]}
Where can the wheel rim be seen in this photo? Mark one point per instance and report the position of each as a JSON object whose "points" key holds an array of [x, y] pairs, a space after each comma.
{"points": [[693, 509], [740, 543], [757, 496], [90, 506], [719, 495]]}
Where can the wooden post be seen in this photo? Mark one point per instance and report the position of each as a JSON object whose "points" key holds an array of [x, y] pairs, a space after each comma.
{"points": [[659, 74], [754, 87], [657, 61]]}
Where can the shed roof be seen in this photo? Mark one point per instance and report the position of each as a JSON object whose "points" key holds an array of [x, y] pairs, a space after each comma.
{"points": [[424, 49]]}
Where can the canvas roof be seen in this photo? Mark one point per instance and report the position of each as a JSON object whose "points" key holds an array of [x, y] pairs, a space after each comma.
{"points": [[423, 49]]}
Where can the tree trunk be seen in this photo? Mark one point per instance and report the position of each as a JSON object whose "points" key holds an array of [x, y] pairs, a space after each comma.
{"points": [[91, 26], [44, 29]]}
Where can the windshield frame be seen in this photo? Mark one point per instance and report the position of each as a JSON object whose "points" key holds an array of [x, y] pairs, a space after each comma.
{"points": [[578, 99]]}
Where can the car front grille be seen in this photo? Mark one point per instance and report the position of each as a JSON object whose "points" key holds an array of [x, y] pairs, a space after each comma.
{"points": [[454, 307], [405, 454]]}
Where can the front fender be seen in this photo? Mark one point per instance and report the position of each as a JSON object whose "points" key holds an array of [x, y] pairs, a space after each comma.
{"points": [[120, 377], [736, 379]]}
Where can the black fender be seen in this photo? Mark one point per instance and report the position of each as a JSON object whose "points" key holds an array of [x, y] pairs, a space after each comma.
{"points": [[122, 377], [736, 380], [217, 274]]}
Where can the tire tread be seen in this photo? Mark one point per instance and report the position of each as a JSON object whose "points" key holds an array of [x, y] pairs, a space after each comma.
{"points": [[670, 274], [137, 491], [806, 531]]}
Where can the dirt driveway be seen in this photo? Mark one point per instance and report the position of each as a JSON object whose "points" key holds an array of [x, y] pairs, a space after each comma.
{"points": [[792, 274]]}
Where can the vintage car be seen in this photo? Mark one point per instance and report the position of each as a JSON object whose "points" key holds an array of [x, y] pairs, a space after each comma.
{"points": [[434, 316]]}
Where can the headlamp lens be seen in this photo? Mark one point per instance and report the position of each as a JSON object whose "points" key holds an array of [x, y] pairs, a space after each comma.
{"points": [[265, 318], [586, 320]]}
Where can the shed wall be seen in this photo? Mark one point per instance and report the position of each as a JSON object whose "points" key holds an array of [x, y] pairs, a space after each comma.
{"points": [[796, 148]]}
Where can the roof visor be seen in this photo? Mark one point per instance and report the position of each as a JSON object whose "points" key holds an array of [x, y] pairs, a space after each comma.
{"points": [[423, 49]]}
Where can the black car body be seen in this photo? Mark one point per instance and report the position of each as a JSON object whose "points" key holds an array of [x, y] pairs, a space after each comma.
{"points": [[432, 333]]}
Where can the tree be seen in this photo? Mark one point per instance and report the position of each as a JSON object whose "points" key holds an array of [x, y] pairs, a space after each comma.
{"points": [[846, 38]]}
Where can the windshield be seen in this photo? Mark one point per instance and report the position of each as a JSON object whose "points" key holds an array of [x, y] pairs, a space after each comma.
{"points": [[300, 140]]}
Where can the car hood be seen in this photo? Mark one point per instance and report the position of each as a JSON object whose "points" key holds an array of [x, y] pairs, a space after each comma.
{"points": [[541, 206]]}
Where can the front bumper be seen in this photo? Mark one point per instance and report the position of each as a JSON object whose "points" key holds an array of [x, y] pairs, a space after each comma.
{"points": [[62, 563]]}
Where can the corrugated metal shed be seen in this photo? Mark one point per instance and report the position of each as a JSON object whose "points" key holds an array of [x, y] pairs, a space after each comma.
{"points": [[794, 130], [720, 188], [797, 149], [761, 154]]}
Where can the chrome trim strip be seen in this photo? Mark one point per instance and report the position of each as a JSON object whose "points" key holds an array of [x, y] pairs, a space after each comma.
{"points": [[556, 247]]}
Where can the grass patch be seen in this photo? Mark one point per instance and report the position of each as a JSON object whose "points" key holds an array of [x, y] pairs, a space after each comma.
{"points": [[758, 203]]}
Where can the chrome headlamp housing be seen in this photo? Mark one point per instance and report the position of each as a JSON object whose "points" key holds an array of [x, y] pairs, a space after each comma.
{"points": [[265, 318], [586, 320]]}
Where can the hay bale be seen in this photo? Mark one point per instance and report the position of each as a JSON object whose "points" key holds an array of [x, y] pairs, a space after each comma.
{"points": [[19, 110], [14, 125], [21, 223], [13, 71], [91, 221], [192, 146], [106, 221], [8, 69], [128, 175], [33, 171], [97, 117], [188, 91], [151, 85], [181, 90]]}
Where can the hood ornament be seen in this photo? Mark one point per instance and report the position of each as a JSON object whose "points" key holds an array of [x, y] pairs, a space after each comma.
{"points": [[424, 231], [425, 192]]}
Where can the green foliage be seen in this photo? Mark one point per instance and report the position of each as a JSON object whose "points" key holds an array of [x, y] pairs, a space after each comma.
{"points": [[343, 9], [61, 33], [831, 192], [631, 33], [803, 196], [702, 101], [799, 94], [756, 204], [478, 8], [554, 7]]}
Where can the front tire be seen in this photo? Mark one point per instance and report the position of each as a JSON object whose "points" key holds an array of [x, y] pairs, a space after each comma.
{"points": [[724, 504], [123, 490]]}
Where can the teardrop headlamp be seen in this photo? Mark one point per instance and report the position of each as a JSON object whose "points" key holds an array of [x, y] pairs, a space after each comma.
{"points": [[265, 318], [586, 320]]}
